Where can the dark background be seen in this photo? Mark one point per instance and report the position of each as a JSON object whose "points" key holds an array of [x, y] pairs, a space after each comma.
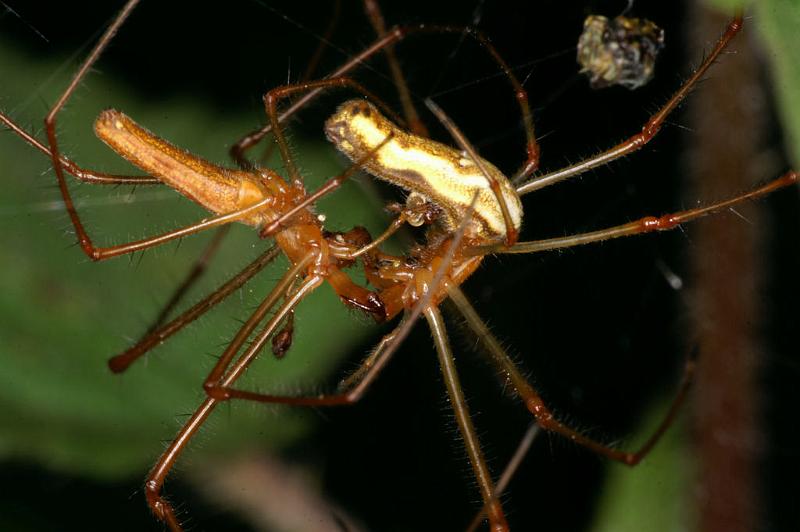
{"points": [[599, 330]]}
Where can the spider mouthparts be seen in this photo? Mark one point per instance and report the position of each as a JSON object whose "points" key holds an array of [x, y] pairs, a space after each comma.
{"points": [[334, 131]]}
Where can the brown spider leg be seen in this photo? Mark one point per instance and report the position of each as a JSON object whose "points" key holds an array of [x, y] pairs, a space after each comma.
{"points": [[650, 129], [374, 363], [200, 265], [84, 174], [218, 190], [254, 137], [158, 474], [50, 126], [272, 98], [368, 375], [393, 36], [643, 225], [96, 253], [535, 404], [511, 232], [217, 377], [197, 270], [396, 224], [120, 363], [350, 390], [358, 381], [413, 120], [508, 473], [219, 390], [311, 67], [312, 64], [497, 520], [329, 186], [351, 294], [282, 340]]}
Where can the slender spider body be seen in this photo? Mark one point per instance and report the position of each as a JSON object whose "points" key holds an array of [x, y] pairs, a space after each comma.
{"points": [[432, 269]]}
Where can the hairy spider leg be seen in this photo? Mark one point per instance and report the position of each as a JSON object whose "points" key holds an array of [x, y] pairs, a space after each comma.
{"points": [[392, 37], [649, 130]]}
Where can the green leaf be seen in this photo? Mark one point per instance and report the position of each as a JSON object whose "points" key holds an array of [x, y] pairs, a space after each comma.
{"points": [[653, 495], [62, 316]]}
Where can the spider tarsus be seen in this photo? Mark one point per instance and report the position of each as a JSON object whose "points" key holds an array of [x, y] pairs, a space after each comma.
{"points": [[118, 364], [631, 459]]}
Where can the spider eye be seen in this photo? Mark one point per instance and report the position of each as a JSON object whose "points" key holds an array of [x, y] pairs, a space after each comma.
{"points": [[359, 107]]}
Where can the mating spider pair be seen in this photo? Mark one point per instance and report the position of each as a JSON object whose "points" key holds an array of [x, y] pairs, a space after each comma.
{"points": [[467, 224]]}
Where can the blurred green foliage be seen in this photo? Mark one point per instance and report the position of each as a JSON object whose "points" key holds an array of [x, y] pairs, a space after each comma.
{"points": [[652, 495], [62, 317]]}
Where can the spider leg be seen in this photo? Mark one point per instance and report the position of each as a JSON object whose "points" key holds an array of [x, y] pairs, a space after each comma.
{"points": [[308, 74], [647, 224], [160, 333], [62, 164], [324, 42], [83, 174], [413, 120], [50, 126], [535, 404], [351, 389], [390, 38], [511, 232], [272, 98], [97, 253], [155, 480], [196, 271], [355, 385], [329, 186], [494, 510], [508, 473], [359, 381], [650, 129]]}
